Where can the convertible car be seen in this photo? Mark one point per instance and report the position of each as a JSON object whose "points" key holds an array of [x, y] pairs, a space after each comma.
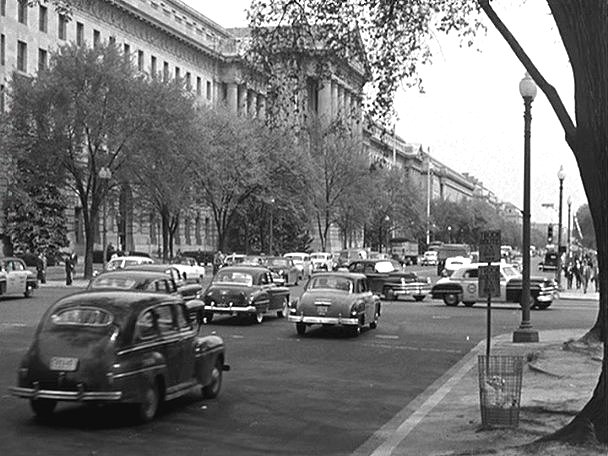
{"points": [[15, 278], [462, 285], [118, 347], [245, 291], [388, 280], [336, 298]]}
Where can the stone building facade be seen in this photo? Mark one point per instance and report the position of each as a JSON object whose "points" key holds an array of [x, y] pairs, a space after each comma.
{"points": [[169, 38]]}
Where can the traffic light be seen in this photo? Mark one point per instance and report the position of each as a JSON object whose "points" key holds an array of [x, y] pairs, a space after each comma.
{"points": [[550, 234]]}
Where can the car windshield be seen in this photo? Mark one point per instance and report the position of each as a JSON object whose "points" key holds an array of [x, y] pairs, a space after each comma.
{"points": [[283, 262], [318, 256], [510, 271], [122, 283], [82, 316], [333, 283], [238, 277], [185, 261], [384, 266]]}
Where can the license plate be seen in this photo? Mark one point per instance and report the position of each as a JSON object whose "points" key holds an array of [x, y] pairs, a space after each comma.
{"points": [[322, 310], [64, 364]]}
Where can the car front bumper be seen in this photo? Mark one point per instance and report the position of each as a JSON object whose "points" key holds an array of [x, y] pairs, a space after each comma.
{"points": [[323, 320], [75, 396]]}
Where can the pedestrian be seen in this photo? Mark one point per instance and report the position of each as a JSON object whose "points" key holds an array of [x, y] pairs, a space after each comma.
{"points": [[595, 277], [68, 269], [218, 260], [586, 276], [110, 251], [569, 273], [41, 268], [578, 270]]}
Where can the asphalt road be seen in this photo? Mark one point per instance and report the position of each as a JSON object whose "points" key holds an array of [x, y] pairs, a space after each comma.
{"points": [[323, 394]]}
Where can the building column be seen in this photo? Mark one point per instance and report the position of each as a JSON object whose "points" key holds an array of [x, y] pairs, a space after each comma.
{"points": [[242, 103], [340, 101], [252, 104], [261, 108], [232, 97], [334, 99], [347, 105], [325, 101]]}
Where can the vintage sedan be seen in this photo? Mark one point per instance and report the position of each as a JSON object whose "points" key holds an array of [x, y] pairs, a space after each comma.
{"points": [[388, 280], [155, 279], [15, 278], [245, 291], [189, 269], [284, 272], [302, 262], [462, 285], [321, 261], [111, 347], [121, 262], [336, 298]]}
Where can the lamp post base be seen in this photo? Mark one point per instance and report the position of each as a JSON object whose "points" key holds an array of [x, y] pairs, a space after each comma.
{"points": [[525, 335]]}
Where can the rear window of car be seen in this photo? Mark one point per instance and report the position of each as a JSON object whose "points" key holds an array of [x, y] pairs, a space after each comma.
{"points": [[122, 283], [332, 283], [278, 262], [82, 316], [241, 278], [384, 267]]}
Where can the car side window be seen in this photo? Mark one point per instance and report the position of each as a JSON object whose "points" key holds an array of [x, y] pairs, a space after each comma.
{"points": [[171, 286], [471, 274], [370, 269], [147, 325], [166, 321], [263, 279], [183, 321], [18, 266]]}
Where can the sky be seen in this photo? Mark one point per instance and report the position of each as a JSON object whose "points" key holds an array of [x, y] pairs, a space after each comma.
{"points": [[470, 115]]}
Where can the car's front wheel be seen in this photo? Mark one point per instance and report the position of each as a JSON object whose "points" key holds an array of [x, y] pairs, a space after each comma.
{"points": [[374, 324], [419, 298], [284, 309], [212, 390], [354, 330], [301, 329], [207, 317], [450, 299], [29, 290], [257, 317], [148, 407], [469, 303], [43, 408]]}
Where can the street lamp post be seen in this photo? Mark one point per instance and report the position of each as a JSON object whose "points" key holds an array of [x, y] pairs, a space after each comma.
{"points": [[428, 200], [525, 332], [450, 234], [561, 175], [569, 218], [387, 219], [271, 228], [105, 175]]}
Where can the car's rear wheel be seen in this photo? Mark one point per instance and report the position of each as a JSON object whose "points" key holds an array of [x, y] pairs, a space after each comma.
{"points": [[354, 330], [542, 305], [147, 409], [212, 390], [43, 408], [450, 299], [285, 309], [29, 291], [468, 303], [419, 298], [374, 324], [207, 317], [301, 329]]}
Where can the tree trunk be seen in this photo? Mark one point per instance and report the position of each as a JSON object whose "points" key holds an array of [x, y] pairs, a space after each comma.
{"points": [[164, 217]]}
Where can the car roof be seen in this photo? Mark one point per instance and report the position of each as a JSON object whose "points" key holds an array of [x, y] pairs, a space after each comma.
{"points": [[150, 267], [348, 275], [131, 257], [252, 269], [133, 273]]}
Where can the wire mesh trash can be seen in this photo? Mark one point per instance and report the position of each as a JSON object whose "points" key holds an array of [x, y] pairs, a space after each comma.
{"points": [[500, 389]]}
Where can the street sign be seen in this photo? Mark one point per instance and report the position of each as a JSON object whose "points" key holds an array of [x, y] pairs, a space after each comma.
{"points": [[489, 281], [489, 246]]}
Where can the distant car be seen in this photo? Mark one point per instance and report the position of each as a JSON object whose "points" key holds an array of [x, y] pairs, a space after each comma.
{"points": [[348, 255], [462, 285], [336, 298], [452, 264], [429, 258], [189, 269], [284, 272], [233, 259], [302, 262], [549, 263], [117, 347], [388, 280], [321, 261], [121, 262], [245, 291], [15, 278], [154, 279]]}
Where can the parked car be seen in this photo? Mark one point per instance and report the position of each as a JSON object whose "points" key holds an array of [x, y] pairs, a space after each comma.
{"points": [[189, 268], [154, 279], [429, 258], [462, 285], [245, 291], [388, 280], [90, 348], [302, 262], [16, 278], [321, 261], [121, 262], [284, 272], [336, 298]]}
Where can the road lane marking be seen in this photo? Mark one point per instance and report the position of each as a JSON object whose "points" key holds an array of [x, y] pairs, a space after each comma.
{"points": [[386, 439], [386, 336]]}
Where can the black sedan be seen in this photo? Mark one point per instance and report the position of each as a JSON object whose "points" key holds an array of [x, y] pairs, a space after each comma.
{"points": [[245, 291], [110, 347]]}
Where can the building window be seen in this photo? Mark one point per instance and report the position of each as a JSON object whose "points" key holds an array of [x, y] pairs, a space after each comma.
{"points": [[187, 231], [188, 80], [79, 33], [2, 49], [153, 65], [62, 25], [22, 56], [22, 11], [127, 50], [43, 18], [197, 229], [152, 229], [140, 60], [199, 85], [177, 72], [208, 90], [166, 71], [1, 98], [3, 8], [96, 38], [42, 59], [112, 40]]}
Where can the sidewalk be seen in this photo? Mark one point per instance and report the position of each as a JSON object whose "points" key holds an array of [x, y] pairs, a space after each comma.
{"points": [[575, 294], [446, 418]]}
